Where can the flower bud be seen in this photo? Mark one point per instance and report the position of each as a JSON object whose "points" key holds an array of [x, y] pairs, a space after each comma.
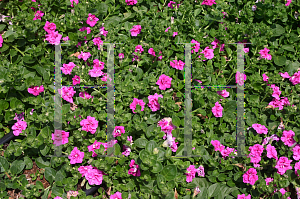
{"points": [[155, 151], [254, 8]]}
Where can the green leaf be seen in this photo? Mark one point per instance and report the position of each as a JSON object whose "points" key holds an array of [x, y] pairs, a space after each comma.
{"points": [[3, 105], [144, 155], [4, 163], [291, 67], [279, 60], [102, 8], [15, 103], [17, 167], [214, 190], [161, 181], [169, 172], [2, 26], [176, 121], [28, 59], [150, 146], [39, 185], [4, 48], [28, 163], [8, 33], [222, 177], [43, 73], [50, 174], [278, 30], [41, 163], [45, 150], [139, 73], [65, 108], [141, 142], [289, 48], [2, 187], [197, 12], [157, 167]]}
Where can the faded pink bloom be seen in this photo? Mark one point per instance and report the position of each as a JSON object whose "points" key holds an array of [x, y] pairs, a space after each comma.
{"points": [[208, 2], [285, 75], [223, 93], [76, 156], [265, 77], [72, 193], [175, 33], [164, 82], [49, 27], [250, 176], [260, 129], [85, 95], [92, 20], [31, 112], [288, 137], [19, 117], [131, 2], [36, 90], [60, 137], [89, 124], [240, 78], [217, 110], [18, 127], [84, 56], [177, 64], [76, 80], [76, 1], [66, 38], [153, 102], [135, 103], [167, 29], [67, 93], [136, 30], [103, 31], [67, 68], [118, 131], [151, 52], [38, 15]]}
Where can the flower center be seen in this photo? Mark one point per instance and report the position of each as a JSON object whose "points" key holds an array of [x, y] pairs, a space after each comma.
{"points": [[91, 19], [94, 146], [76, 155]]}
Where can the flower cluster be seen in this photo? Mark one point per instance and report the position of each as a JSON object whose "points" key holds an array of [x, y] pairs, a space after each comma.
{"points": [[53, 36], [224, 152], [191, 172]]}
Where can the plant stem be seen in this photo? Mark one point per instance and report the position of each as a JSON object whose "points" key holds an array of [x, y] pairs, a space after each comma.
{"points": [[18, 50]]}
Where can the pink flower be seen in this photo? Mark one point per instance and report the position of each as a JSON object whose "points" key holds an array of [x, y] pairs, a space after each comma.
{"points": [[208, 53], [223, 93], [295, 79], [104, 78], [276, 91], [265, 77], [89, 124], [54, 38], [217, 110], [240, 78], [57, 197], [208, 2], [151, 52], [118, 131], [1, 41], [250, 176], [76, 80], [103, 31], [153, 102], [129, 138], [296, 152], [195, 47], [260, 129], [285, 75], [31, 112], [99, 64], [135, 103], [287, 137], [67, 68], [94, 176], [36, 90], [134, 169], [282, 191], [131, 2], [96, 72], [283, 164], [175, 33], [191, 173], [121, 55], [85, 95], [117, 195], [139, 49], [164, 82], [84, 56], [18, 127], [38, 15], [76, 156], [264, 54], [218, 146], [297, 167], [170, 4], [97, 41], [226, 152], [72, 193], [243, 196], [268, 180], [167, 29], [84, 169], [136, 30], [88, 29], [49, 27], [76, 1], [288, 2], [127, 150], [66, 38], [92, 20], [95, 145], [177, 64], [271, 152], [19, 117], [60, 137], [67, 93]]}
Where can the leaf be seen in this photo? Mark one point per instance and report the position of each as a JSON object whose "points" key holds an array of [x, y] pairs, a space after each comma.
{"points": [[140, 73], [292, 67], [4, 48], [2, 26], [45, 151], [279, 60], [169, 172], [157, 167], [278, 30], [28, 59], [3, 105], [144, 155], [289, 48], [43, 73], [4, 163], [141, 142], [17, 167], [39, 185], [65, 108], [50, 174], [150, 146], [28, 163], [41, 163], [102, 7], [214, 190], [176, 121]]}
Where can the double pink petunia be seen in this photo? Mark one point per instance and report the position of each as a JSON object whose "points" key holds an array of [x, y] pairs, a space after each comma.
{"points": [[89, 125], [134, 169], [76, 80], [240, 78], [177, 64], [93, 147], [264, 54], [283, 164], [76, 156], [131, 2], [135, 103], [164, 82], [288, 138], [67, 68], [136, 30], [38, 15], [118, 131], [60, 137], [92, 20], [260, 129], [67, 93], [36, 90], [250, 176], [153, 102], [18, 127], [217, 110], [208, 2]]}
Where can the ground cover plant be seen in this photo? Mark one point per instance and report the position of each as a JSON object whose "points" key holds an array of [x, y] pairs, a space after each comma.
{"points": [[149, 80]]}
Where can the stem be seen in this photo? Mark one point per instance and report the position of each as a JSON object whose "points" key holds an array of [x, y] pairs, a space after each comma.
{"points": [[18, 50]]}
